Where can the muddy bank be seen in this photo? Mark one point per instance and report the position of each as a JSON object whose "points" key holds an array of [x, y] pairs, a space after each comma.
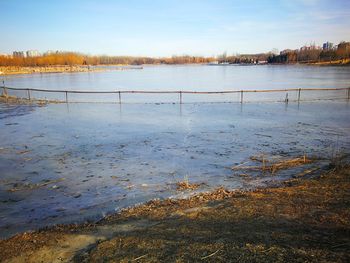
{"points": [[12, 70], [48, 69], [304, 220], [340, 62]]}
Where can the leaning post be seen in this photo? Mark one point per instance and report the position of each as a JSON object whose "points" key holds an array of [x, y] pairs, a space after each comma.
{"points": [[299, 91], [4, 90], [28, 92]]}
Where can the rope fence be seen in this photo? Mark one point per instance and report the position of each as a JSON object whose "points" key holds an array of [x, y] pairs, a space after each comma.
{"points": [[241, 96]]}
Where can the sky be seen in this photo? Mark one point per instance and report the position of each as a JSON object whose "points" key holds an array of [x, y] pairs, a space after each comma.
{"points": [[159, 28]]}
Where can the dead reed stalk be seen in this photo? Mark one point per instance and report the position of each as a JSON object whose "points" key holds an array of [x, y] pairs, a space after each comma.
{"points": [[274, 166]]}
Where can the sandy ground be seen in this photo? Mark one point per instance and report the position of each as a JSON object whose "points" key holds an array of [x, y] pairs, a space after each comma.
{"points": [[49, 69], [304, 220], [340, 62]]}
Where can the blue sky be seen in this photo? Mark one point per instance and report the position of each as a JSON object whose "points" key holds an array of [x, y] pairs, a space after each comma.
{"points": [[165, 28]]}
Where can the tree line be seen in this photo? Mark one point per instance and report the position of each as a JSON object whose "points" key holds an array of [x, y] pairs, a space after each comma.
{"points": [[72, 58], [243, 58], [312, 55]]}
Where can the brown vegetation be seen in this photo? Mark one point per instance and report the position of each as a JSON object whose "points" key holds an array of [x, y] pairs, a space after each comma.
{"points": [[314, 55], [309, 55], [186, 185], [306, 220], [12, 70], [72, 58], [273, 165]]}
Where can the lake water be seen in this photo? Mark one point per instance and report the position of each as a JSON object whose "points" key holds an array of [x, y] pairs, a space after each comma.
{"points": [[189, 77], [65, 163]]}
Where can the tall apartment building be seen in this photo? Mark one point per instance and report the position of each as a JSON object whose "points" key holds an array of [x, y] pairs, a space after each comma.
{"points": [[19, 54], [327, 46], [32, 53]]}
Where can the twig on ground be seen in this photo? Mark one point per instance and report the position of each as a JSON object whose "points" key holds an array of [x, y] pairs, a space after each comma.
{"points": [[140, 257], [212, 254]]}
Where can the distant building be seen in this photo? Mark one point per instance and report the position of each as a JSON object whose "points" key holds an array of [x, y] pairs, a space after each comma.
{"points": [[311, 47], [50, 52], [19, 54], [32, 53], [327, 46]]}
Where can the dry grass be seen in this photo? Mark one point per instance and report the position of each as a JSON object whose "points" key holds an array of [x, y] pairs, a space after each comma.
{"points": [[23, 187], [11, 70], [306, 220], [272, 165], [25, 101], [186, 185]]}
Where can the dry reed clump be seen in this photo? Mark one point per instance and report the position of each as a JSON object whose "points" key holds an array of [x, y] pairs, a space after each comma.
{"points": [[186, 185], [26, 101], [273, 166], [28, 186]]}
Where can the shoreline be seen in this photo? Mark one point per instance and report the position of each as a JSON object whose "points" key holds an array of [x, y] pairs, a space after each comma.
{"points": [[302, 219], [340, 63], [22, 70], [14, 70]]}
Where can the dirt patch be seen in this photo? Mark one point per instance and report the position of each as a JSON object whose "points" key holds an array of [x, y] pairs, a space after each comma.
{"points": [[306, 220], [14, 70]]}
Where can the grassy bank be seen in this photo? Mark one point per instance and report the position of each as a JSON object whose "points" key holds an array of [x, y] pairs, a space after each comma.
{"points": [[304, 220], [340, 62], [13, 70]]}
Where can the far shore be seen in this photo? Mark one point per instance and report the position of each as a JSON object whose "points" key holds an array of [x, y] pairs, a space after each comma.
{"points": [[17, 70], [340, 62]]}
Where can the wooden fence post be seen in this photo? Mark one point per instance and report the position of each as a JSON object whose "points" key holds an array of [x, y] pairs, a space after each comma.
{"points": [[348, 93], [241, 96], [66, 96], [28, 92], [5, 93], [120, 97], [299, 91], [180, 97]]}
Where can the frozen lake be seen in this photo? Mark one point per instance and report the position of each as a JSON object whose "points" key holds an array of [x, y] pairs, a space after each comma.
{"points": [[98, 158], [188, 77], [65, 163]]}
